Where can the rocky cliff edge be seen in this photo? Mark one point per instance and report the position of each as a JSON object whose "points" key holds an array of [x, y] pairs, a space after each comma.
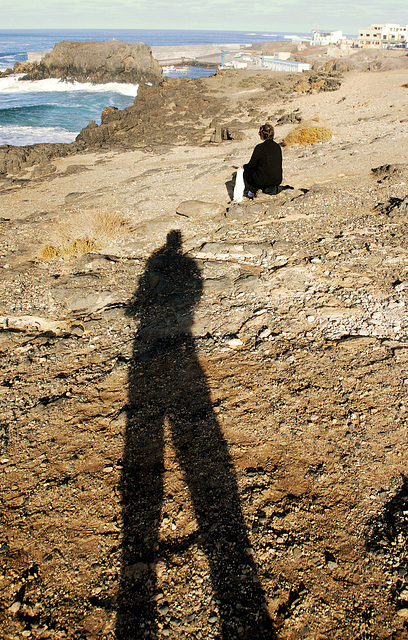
{"points": [[97, 62]]}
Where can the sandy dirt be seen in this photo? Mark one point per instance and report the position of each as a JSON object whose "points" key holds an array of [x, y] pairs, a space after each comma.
{"points": [[209, 440]]}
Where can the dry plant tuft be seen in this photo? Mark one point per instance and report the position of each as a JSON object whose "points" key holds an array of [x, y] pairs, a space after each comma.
{"points": [[316, 86], [302, 87], [405, 86], [73, 248], [307, 134], [84, 231]]}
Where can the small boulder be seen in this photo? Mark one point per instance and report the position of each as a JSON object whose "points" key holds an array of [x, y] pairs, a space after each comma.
{"points": [[107, 111], [222, 132]]}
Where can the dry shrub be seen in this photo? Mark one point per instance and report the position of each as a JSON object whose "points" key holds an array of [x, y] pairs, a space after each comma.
{"points": [[307, 135], [302, 87], [100, 226], [83, 232], [405, 86], [73, 248], [316, 86]]}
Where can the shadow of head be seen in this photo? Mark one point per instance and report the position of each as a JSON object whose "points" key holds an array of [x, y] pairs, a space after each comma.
{"points": [[174, 241]]}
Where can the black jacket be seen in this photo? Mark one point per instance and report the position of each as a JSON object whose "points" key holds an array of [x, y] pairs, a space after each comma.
{"points": [[265, 166]]}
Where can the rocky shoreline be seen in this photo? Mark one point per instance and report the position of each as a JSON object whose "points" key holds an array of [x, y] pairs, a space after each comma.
{"points": [[263, 359], [176, 111], [96, 62]]}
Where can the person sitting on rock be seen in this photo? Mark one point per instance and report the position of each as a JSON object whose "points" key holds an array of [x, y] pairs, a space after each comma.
{"points": [[264, 170]]}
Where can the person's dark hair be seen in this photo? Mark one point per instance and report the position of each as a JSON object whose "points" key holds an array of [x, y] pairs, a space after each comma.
{"points": [[266, 131]]}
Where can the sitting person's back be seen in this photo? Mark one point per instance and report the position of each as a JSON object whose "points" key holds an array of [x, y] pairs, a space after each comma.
{"points": [[265, 166], [264, 170]]}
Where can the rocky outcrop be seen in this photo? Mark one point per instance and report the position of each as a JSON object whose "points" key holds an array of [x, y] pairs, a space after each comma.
{"points": [[7, 72], [98, 62], [175, 111], [191, 111], [13, 159]]}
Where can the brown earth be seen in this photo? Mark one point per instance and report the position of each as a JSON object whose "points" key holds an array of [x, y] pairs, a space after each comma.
{"points": [[210, 440]]}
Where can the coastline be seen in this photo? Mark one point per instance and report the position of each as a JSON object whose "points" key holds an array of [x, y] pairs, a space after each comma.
{"points": [[207, 54], [197, 54]]}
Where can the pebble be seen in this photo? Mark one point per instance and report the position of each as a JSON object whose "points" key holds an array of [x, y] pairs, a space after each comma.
{"points": [[163, 609], [234, 343], [15, 607]]}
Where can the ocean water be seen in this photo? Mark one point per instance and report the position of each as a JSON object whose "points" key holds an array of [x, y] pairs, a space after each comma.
{"points": [[55, 111]]}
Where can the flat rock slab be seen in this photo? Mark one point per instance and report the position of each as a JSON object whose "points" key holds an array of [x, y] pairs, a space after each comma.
{"points": [[246, 212], [36, 324], [197, 208]]}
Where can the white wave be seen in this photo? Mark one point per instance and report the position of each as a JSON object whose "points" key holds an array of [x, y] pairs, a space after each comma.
{"points": [[6, 63], [19, 136], [12, 84]]}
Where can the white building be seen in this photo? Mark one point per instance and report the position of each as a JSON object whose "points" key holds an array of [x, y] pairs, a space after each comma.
{"points": [[383, 36], [325, 38], [279, 64]]}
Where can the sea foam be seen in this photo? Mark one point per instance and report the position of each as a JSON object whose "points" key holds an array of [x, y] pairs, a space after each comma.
{"points": [[20, 136], [13, 84]]}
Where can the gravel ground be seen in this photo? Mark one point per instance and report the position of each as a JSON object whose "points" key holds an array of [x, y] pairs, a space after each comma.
{"points": [[205, 434]]}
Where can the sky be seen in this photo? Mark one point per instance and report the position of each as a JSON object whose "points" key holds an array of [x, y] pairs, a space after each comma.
{"points": [[290, 16]]}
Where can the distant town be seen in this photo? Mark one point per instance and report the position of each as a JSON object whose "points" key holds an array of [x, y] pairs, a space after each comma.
{"points": [[376, 36], [291, 58]]}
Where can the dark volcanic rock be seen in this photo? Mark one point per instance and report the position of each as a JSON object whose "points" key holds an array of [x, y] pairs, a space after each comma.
{"points": [[388, 171], [173, 111], [180, 111], [13, 159], [112, 61]]}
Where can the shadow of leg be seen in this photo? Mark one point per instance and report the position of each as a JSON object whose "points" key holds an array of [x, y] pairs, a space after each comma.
{"points": [[210, 476], [142, 492]]}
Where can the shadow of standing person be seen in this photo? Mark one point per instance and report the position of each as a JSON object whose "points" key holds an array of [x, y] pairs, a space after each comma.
{"points": [[166, 383]]}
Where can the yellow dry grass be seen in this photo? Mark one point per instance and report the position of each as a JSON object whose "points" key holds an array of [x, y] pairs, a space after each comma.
{"points": [[66, 249], [307, 134], [83, 232], [316, 86], [302, 87]]}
